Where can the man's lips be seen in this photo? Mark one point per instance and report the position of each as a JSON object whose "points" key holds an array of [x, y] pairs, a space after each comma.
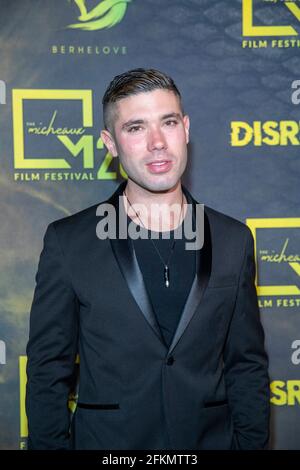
{"points": [[159, 166]]}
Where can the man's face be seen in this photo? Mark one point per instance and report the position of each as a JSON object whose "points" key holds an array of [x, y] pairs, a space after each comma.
{"points": [[150, 137]]}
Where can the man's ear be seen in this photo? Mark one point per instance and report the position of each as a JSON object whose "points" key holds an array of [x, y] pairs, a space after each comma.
{"points": [[186, 122], [109, 142]]}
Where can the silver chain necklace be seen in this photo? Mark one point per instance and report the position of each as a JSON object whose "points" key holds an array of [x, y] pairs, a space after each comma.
{"points": [[165, 264]]}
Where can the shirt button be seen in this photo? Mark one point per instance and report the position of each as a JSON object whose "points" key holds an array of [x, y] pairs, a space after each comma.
{"points": [[170, 361]]}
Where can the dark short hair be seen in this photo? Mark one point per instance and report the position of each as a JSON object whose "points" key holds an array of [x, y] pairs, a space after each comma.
{"points": [[131, 83]]}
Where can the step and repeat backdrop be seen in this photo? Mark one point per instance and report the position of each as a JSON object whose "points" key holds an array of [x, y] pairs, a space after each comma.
{"points": [[237, 64]]}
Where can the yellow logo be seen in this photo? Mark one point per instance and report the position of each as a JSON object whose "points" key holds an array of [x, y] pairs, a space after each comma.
{"points": [[23, 381], [249, 29], [285, 392], [69, 140], [282, 257], [106, 14], [271, 133], [27, 162]]}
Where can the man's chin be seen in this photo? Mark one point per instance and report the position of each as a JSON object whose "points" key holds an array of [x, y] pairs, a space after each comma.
{"points": [[156, 185], [163, 187]]}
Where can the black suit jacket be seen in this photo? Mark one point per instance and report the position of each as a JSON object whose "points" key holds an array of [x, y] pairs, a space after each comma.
{"points": [[208, 390]]}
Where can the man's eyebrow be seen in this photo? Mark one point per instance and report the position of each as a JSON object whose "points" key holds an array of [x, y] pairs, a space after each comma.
{"points": [[171, 115], [133, 122]]}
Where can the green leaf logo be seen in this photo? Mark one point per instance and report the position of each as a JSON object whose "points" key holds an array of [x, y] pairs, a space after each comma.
{"points": [[105, 15]]}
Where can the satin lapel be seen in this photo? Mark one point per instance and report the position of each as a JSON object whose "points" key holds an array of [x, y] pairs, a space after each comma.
{"points": [[126, 258], [202, 275], [127, 261], [125, 255]]}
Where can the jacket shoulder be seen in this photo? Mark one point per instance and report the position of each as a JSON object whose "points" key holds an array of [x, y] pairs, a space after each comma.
{"points": [[77, 218], [226, 226], [78, 226], [231, 239]]}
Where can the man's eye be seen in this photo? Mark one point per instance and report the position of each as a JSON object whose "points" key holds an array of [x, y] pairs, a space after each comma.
{"points": [[171, 122], [134, 129]]}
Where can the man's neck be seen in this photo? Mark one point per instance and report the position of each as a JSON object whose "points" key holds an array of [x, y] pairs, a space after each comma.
{"points": [[157, 211]]}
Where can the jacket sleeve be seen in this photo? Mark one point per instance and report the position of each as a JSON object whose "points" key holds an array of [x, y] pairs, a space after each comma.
{"points": [[246, 362], [51, 350]]}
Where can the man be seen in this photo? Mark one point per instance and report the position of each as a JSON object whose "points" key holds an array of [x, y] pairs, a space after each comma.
{"points": [[170, 343]]}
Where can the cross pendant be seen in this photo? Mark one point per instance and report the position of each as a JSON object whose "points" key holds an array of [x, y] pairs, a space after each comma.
{"points": [[166, 276]]}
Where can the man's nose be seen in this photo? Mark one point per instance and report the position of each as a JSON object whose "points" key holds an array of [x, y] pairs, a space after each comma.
{"points": [[156, 140]]}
